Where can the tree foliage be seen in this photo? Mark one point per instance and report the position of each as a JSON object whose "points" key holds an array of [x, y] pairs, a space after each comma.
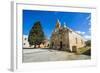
{"points": [[36, 34], [88, 43]]}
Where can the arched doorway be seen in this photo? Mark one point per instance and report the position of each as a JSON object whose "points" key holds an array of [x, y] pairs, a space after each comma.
{"points": [[52, 44], [61, 45], [74, 49]]}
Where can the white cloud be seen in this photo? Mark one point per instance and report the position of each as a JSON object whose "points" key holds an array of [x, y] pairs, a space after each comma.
{"points": [[25, 36], [89, 31], [89, 23], [80, 32], [88, 18], [87, 37]]}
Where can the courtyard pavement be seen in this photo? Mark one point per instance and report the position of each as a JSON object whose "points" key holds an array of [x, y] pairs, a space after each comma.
{"points": [[43, 55]]}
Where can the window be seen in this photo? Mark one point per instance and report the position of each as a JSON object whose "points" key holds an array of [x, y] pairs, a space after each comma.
{"points": [[24, 43], [81, 42], [76, 40], [70, 31], [25, 38]]}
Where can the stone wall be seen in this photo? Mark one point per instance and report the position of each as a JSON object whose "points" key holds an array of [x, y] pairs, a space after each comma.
{"points": [[76, 41]]}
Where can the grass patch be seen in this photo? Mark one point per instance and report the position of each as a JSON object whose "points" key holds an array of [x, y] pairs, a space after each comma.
{"points": [[82, 50]]}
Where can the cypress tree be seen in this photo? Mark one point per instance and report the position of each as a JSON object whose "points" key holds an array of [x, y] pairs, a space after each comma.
{"points": [[36, 34]]}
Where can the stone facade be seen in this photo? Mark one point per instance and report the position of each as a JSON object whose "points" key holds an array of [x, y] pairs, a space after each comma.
{"points": [[63, 38]]}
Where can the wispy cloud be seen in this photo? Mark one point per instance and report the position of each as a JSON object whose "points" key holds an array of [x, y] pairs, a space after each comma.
{"points": [[89, 19], [80, 32], [89, 23], [89, 31], [25, 36], [87, 37]]}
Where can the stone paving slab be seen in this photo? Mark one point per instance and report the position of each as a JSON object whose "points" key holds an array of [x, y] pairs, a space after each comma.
{"points": [[40, 55]]}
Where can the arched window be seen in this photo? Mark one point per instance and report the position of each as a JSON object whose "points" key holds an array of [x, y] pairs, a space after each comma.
{"points": [[76, 40]]}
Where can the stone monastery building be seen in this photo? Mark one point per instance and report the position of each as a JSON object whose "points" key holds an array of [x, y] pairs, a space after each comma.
{"points": [[64, 38]]}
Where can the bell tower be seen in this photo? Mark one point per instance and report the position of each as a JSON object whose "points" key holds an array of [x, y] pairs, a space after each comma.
{"points": [[58, 25]]}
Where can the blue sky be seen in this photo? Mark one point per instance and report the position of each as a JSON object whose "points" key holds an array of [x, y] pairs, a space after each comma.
{"points": [[79, 22]]}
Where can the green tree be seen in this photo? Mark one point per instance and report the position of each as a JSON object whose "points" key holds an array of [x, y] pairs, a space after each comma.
{"points": [[88, 43], [36, 34]]}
